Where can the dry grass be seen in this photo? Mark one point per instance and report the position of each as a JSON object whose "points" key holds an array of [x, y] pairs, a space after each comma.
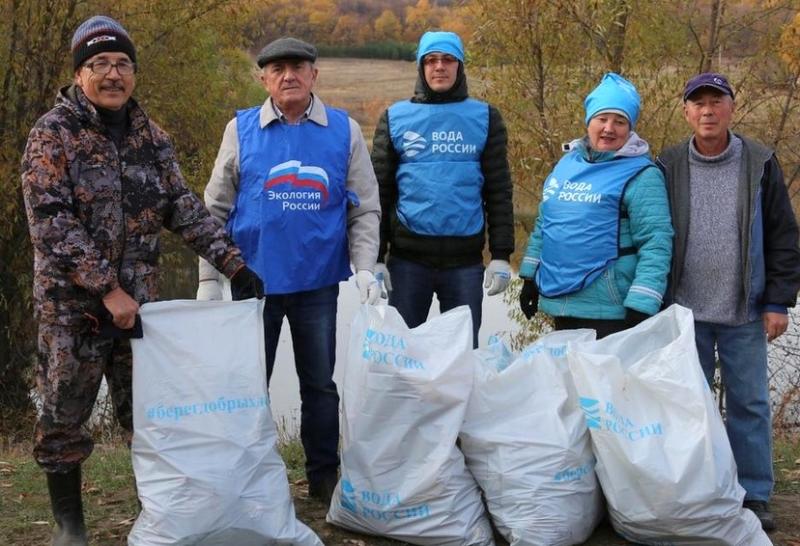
{"points": [[365, 87]]}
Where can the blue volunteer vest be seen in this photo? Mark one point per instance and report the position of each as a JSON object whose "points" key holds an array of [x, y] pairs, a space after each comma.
{"points": [[580, 212], [290, 216], [439, 178]]}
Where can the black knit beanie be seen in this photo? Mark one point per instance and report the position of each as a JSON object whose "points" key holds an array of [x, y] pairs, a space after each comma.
{"points": [[97, 35]]}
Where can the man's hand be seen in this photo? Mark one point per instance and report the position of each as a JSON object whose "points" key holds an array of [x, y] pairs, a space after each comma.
{"points": [[246, 284], [122, 307], [368, 286], [775, 324], [498, 275]]}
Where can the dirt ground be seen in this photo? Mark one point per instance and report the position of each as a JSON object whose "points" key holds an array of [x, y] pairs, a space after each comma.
{"points": [[312, 513]]}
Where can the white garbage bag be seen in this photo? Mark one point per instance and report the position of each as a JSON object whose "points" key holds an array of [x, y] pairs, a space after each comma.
{"points": [[526, 442], [204, 446], [404, 394], [663, 457]]}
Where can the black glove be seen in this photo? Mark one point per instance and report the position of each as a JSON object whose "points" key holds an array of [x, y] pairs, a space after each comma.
{"points": [[102, 325], [245, 284], [529, 298], [634, 317]]}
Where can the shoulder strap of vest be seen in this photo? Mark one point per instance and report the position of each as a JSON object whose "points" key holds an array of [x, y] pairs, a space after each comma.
{"points": [[623, 214]]}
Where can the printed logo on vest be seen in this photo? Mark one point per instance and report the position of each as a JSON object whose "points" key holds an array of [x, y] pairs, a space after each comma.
{"points": [[413, 143], [580, 192], [307, 185], [451, 142], [550, 188]]}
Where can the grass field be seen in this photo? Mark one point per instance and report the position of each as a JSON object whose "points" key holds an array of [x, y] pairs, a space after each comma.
{"points": [[365, 87], [111, 508]]}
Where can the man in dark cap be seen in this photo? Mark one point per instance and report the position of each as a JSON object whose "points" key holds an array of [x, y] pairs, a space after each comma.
{"points": [[295, 187], [736, 265], [100, 180], [442, 169]]}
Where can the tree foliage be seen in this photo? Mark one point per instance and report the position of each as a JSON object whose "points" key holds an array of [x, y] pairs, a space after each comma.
{"points": [[388, 26], [348, 22], [538, 59]]}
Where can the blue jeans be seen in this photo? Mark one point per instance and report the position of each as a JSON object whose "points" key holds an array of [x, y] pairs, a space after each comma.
{"points": [[413, 286], [312, 321], [742, 354]]}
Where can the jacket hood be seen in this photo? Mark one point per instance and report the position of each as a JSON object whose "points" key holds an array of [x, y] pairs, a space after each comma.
{"points": [[635, 146], [423, 92], [72, 98]]}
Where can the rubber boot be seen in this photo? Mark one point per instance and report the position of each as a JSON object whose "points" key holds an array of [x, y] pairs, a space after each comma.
{"points": [[65, 499]]}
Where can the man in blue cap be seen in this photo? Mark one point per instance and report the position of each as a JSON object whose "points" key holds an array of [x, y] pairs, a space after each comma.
{"points": [[736, 265], [442, 169]]}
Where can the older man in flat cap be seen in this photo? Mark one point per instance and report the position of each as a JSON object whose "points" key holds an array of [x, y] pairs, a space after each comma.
{"points": [[294, 184], [100, 181]]}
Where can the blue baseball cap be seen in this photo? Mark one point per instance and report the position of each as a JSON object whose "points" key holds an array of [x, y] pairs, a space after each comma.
{"points": [[708, 79], [440, 42]]}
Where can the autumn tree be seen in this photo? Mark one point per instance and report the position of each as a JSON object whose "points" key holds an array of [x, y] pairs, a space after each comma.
{"points": [[420, 18], [346, 30], [35, 42], [322, 15], [388, 26]]}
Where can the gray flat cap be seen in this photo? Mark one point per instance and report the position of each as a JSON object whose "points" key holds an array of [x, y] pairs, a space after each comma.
{"points": [[286, 48]]}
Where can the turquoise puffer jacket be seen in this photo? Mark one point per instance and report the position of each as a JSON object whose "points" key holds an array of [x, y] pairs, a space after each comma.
{"points": [[636, 281]]}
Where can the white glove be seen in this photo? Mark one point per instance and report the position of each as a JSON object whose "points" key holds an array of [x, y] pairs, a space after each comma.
{"points": [[369, 286], [209, 289], [498, 275], [382, 274]]}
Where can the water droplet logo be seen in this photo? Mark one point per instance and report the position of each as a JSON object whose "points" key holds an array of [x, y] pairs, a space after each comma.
{"points": [[550, 188], [591, 410], [413, 143], [348, 497]]}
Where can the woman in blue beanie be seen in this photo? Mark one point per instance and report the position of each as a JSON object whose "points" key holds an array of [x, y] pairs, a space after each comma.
{"points": [[600, 252]]}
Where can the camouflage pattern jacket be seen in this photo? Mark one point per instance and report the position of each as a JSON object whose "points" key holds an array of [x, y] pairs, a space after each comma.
{"points": [[95, 213]]}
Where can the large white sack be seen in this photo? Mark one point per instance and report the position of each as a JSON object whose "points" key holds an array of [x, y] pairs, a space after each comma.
{"points": [[526, 442], [204, 446], [663, 457], [404, 394]]}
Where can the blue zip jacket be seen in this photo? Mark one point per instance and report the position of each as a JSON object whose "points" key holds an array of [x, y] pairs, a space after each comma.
{"points": [[635, 281]]}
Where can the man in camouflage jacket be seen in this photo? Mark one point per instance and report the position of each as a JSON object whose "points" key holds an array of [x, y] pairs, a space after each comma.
{"points": [[100, 180]]}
